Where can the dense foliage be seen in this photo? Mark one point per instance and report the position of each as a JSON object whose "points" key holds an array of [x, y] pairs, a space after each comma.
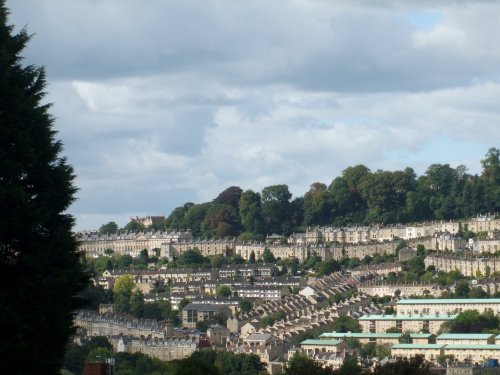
{"points": [[300, 364], [358, 196], [40, 273], [471, 321], [204, 363]]}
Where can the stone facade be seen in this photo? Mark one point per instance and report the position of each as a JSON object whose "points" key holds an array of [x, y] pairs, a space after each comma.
{"points": [[405, 290], [440, 307], [131, 243], [404, 323], [164, 349], [467, 266]]}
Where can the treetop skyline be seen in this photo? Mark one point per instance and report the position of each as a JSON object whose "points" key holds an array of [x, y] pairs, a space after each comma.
{"points": [[357, 196]]}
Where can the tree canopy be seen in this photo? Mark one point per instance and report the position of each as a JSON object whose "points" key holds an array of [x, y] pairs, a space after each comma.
{"points": [[357, 196], [40, 273]]}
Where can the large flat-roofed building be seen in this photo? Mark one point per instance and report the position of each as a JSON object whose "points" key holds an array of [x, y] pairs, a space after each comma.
{"points": [[462, 353], [404, 323], [378, 338], [466, 338], [430, 351], [446, 306], [319, 345]]}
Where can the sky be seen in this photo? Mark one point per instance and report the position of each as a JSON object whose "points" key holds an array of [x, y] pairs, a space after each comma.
{"points": [[163, 102]]}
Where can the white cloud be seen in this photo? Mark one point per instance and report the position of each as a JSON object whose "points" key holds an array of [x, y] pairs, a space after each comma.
{"points": [[159, 103]]}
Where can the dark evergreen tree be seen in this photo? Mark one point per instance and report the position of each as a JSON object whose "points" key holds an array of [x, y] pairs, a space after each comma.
{"points": [[40, 272]]}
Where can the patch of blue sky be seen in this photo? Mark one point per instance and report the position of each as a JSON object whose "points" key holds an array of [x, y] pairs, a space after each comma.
{"points": [[451, 151], [423, 19]]}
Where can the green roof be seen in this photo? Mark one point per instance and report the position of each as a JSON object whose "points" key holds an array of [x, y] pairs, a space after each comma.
{"points": [[417, 346], [420, 335], [361, 335], [321, 342], [443, 301], [469, 336], [407, 317], [372, 335], [473, 346]]}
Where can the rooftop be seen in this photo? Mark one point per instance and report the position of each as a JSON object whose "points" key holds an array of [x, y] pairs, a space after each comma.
{"points": [[408, 317], [418, 346], [441, 301], [469, 336], [372, 335], [321, 342]]}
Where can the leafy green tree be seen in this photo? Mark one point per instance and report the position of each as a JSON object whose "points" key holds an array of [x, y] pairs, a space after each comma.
{"points": [[378, 191], [272, 318], [250, 212], [194, 218], [346, 324], [183, 303], [124, 284], [462, 289], [143, 257], [98, 354], [383, 351], [109, 228], [294, 266], [336, 298], [300, 364], [191, 256], [223, 291], [470, 321], [176, 219], [368, 350], [122, 262], [109, 252], [152, 311], [340, 200], [40, 272], [350, 366], [137, 304], [74, 358], [328, 267], [230, 196], [251, 259], [356, 204], [122, 291], [202, 325], [413, 366], [246, 305], [134, 226], [267, 256], [230, 363], [94, 295], [276, 208], [405, 338], [221, 220], [477, 292], [317, 205], [193, 365], [216, 261], [122, 303]]}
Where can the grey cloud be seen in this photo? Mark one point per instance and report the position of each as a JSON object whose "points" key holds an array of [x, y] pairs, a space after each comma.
{"points": [[159, 103], [328, 46]]}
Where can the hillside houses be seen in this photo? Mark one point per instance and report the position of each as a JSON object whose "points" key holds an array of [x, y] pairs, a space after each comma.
{"points": [[131, 243]]}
